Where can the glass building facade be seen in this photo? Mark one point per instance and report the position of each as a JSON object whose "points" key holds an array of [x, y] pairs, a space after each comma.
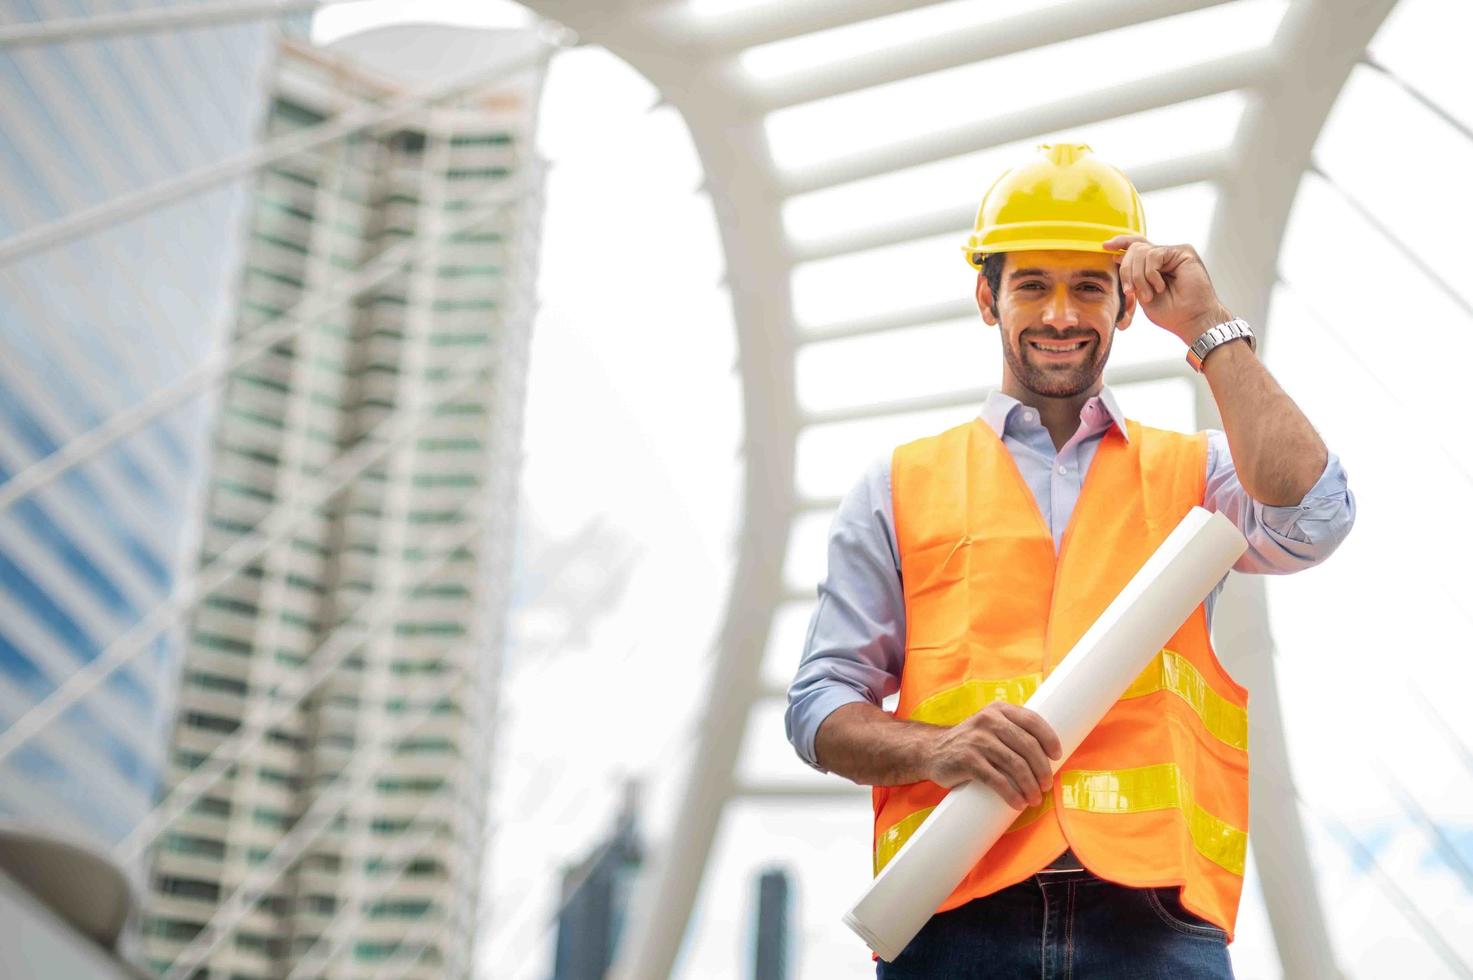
{"points": [[87, 329]]}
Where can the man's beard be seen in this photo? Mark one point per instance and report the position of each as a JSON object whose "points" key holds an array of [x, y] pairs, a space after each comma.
{"points": [[1054, 382]]}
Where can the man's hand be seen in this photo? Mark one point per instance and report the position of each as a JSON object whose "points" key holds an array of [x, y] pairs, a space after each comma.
{"points": [[1171, 284], [1005, 746]]}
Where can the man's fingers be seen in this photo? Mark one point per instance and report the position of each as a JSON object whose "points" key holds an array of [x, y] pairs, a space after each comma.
{"points": [[1032, 722], [1122, 242], [1130, 270], [1010, 747], [1027, 747], [1145, 262], [1124, 260], [1151, 273], [1158, 281], [998, 780], [1016, 768]]}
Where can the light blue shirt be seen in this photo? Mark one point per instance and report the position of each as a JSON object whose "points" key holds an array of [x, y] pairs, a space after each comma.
{"points": [[856, 638]]}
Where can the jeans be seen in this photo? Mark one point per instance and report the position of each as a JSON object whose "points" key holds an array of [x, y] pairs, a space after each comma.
{"points": [[1066, 925]]}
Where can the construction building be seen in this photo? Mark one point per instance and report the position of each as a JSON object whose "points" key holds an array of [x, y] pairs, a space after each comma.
{"points": [[348, 671]]}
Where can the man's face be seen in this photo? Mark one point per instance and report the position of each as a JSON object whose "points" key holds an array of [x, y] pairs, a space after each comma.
{"points": [[1057, 313]]}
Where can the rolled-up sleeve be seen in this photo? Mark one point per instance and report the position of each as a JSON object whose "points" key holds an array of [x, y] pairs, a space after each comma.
{"points": [[855, 644], [1280, 539]]}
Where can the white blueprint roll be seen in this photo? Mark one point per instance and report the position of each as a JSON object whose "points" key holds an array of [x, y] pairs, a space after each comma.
{"points": [[1073, 699]]}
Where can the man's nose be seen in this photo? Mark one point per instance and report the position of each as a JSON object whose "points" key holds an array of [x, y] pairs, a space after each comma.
{"points": [[1060, 308]]}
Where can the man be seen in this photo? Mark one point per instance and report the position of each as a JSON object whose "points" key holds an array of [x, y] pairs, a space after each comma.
{"points": [[963, 568]]}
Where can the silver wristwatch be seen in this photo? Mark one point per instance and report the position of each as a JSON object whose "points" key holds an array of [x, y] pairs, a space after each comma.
{"points": [[1234, 329]]}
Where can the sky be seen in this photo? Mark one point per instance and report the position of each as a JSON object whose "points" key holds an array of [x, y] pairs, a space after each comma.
{"points": [[633, 423]]}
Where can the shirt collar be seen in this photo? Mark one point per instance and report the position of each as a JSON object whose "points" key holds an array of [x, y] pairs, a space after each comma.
{"points": [[999, 408]]}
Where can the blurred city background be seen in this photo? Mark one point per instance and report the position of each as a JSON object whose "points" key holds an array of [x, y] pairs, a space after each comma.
{"points": [[420, 425]]}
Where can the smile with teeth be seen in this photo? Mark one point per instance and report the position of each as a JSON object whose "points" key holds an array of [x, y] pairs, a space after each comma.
{"points": [[1053, 348]]}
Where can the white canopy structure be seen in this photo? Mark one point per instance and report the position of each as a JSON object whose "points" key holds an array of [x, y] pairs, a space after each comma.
{"points": [[842, 160], [1290, 85]]}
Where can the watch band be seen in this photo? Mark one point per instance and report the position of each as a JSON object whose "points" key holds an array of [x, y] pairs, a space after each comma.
{"points": [[1214, 337]]}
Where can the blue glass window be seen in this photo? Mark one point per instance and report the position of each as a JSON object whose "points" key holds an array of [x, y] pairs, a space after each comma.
{"points": [[20, 669], [136, 549], [42, 526], [54, 618]]}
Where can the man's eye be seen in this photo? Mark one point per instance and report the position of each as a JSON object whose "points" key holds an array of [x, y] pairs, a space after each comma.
{"points": [[1031, 285], [1092, 287]]}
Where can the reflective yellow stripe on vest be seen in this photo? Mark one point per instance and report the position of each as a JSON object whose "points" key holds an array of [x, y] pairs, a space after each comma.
{"points": [[1170, 671], [956, 704], [1157, 787]]}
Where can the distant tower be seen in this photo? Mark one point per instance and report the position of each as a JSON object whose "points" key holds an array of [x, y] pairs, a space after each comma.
{"points": [[595, 898], [385, 765], [771, 948]]}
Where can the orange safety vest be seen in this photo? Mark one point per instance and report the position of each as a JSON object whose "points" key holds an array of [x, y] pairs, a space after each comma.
{"points": [[1157, 794]]}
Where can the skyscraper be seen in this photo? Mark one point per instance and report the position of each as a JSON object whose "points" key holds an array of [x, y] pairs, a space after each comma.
{"points": [[595, 899], [348, 672], [89, 328]]}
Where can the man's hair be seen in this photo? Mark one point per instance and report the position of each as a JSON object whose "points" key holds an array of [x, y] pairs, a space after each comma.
{"points": [[992, 264]]}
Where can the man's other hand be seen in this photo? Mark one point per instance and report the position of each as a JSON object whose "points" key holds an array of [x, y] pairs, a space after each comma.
{"points": [[1005, 746], [1170, 283]]}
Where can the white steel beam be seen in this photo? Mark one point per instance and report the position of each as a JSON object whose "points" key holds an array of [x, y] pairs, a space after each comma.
{"points": [[200, 179], [1322, 39], [793, 593], [897, 231], [1421, 98], [732, 148], [808, 505], [772, 692], [1402, 248], [812, 790], [775, 20], [751, 230], [1224, 74], [1022, 32], [915, 316]]}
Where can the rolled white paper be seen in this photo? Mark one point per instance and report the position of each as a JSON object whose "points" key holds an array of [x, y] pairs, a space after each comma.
{"points": [[1073, 699]]}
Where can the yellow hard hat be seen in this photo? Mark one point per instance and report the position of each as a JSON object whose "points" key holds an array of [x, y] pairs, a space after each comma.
{"points": [[1064, 199]]}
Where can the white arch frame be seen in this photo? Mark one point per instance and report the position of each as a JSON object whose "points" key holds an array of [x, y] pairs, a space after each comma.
{"points": [[1292, 85], [1322, 40]]}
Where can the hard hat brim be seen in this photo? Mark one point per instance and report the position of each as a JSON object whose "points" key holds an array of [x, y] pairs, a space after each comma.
{"points": [[1053, 237]]}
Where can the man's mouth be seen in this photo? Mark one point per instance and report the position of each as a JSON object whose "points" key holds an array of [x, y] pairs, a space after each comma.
{"points": [[1058, 348]]}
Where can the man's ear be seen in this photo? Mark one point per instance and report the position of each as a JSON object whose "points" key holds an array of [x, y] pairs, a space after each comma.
{"points": [[986, 302], [1127, 312]]}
